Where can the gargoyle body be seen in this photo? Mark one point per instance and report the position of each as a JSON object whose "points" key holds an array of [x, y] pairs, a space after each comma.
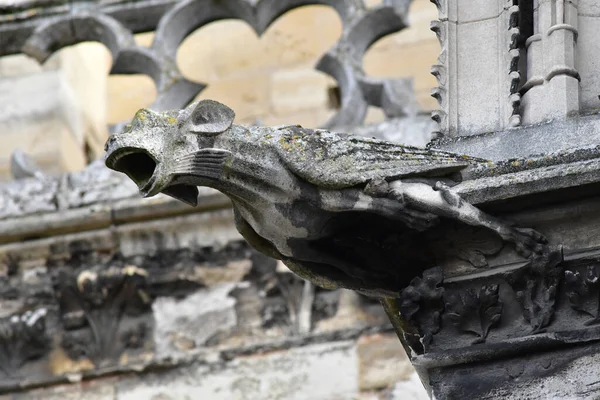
{"points": [[339, 210]]}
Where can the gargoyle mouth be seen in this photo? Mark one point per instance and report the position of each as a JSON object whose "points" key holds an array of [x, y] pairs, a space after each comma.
{"points": [[137, 164]]}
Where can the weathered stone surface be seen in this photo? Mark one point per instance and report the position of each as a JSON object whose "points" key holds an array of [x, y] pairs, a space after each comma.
{"points": [[330, 370], [29, 120], [411, 389], [587, 57], [382, 362], [103, 389], [185, 324]]}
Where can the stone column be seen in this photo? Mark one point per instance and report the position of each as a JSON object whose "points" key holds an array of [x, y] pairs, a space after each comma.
{"points": [[552, 87]]}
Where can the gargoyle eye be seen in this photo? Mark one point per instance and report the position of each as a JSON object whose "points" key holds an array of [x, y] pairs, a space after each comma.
{"points": [[211, 117], [200, 119]]}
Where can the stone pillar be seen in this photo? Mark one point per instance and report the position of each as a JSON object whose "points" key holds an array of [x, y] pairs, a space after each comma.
{"points": [[588, 55], [54, 111], [552, 87], [477, 69]]}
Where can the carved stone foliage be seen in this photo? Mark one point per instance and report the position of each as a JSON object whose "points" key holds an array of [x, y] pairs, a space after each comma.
{"points": [[421, 304], [474, 311], [438, 315], [114, 24], [23, 337], [536, 288], [583, 292], [92, 307]]}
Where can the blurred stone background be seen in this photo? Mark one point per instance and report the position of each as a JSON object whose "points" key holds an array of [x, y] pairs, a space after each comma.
{"points": [[212, 319], [58, 112]]}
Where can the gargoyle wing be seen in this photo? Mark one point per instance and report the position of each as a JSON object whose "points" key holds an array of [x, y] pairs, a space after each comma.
{"points": [[334, 160]]}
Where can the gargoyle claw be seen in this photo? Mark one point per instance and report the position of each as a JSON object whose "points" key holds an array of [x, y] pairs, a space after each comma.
{"points": [[381, 188], [527, 241], [448, 196]]}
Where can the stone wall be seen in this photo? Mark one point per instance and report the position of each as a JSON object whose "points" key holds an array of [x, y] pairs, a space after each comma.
{"points": [[105, 295]]}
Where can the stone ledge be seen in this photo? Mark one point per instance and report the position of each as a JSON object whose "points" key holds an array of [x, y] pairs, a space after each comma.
{"points": [[508, 348], [525, 142], [203, 356]]}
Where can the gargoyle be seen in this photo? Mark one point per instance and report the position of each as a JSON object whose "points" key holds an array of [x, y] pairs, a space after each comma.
{"points": [[339, 210]]}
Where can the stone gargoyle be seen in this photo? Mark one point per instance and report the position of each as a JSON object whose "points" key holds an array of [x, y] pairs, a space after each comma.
{"points": [[338, 210]]}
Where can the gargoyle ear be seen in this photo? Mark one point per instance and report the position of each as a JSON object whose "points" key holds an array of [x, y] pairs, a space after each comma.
{"points": [[210, 116]]}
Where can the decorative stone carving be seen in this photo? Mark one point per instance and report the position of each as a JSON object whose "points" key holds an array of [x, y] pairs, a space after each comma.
{"points": [[23, 337], [475, 312], [421, 304], [92, 307], [57, 26], [321, 202], [514, 81], [584, 292], [536, 288], [439, 69]]}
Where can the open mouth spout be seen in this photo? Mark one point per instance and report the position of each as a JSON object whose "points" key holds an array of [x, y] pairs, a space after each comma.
{"points": [[143, 169], [137, 164]]}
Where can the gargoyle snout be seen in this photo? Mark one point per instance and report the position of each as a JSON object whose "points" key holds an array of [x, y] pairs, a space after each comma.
{"points": [[134, 161]]}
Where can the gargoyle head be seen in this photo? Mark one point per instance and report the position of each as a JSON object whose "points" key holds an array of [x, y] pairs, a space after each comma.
{"points": [[158, 150]]}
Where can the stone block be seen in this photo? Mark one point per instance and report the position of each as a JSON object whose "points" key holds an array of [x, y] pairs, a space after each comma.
{"points": [[188, 323], [475, 10], [231, 48], [101, 389], [413, 60], [409, 389], [127, 94], [477, 50], [302, 35], [40, 115], [86, 67], [18, 65], [144, 39], [299, 89], [322, 371], [558, 98], [382, 362], [248, 95], [589, 8]]}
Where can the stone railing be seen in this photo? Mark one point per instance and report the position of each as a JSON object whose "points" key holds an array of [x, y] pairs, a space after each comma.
{"points": [[41, 28]]}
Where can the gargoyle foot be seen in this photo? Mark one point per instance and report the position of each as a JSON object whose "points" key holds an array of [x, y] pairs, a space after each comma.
{"points": [[527, 241], [381, 188]]}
